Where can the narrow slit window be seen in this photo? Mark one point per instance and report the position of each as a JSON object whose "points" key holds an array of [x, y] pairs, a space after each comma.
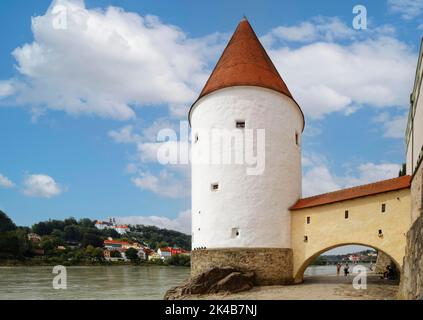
{"points": [[235, 233], [380, 232], [305, 238], [383, 209], [308, 220], [240, 124], [215, 187], [347, 214], [297, 139], [196, 138]]}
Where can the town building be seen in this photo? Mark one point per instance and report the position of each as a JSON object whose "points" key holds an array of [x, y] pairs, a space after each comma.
{"points": [[154, 256], [33, 237], [165, 253], [257, 219], [411, 286], [111, 224]]}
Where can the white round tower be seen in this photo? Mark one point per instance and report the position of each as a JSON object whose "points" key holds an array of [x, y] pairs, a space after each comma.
{"points": [[240, 205]]}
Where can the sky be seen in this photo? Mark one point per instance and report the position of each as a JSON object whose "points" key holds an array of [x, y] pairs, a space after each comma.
{"points": [[85, 86]]}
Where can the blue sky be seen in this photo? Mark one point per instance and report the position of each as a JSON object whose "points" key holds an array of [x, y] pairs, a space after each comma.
{"points": [[80, 106]]}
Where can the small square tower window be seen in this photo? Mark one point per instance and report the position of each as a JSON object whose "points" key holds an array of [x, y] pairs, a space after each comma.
{"points": [[240, 124], [235, 233], [383, 208], [305, 238], [380, 233], [196, 138], [347, 214], [308, 220], [215, 187]]}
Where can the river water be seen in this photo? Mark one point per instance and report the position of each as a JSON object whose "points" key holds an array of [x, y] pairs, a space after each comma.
{"points": [[331, 270], [101, 283], [87, 283]]}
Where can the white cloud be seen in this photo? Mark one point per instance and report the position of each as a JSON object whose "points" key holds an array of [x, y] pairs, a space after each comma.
{"points": [[181, 223], [124, 135], [409, 9], [393, 126], [321, 28], [116, 61], [329, 77], [127, 133], [41, 186], [317, 29], [166, 183], [6, 89], [318, 178], [370, 172], [170, 181], [107, 62], [5, 182]]}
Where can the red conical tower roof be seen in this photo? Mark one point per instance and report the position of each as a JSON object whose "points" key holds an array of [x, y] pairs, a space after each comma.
{"points": [[244, 62]]}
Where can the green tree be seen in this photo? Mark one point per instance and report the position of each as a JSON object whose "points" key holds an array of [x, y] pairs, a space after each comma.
{"points": [[112, 233], [89, 249], [180, 260], [42, 228], [9, 245], [49, 243], [6, 224], [59, 234], [72, 233], [70, 221], [97, 254], [92, 239], [132, 254], [115, 254], [87, 223], [162, 244]]}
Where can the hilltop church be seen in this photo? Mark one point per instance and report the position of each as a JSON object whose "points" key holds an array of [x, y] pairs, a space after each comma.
{"points": [[260, 222]]}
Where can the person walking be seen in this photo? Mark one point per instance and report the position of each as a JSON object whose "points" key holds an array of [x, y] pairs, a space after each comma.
{"points": [[338, 268], [346, 269]]}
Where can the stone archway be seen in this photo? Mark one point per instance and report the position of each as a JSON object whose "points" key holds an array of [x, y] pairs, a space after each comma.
{"points": [[360, 221], [299, 271]]}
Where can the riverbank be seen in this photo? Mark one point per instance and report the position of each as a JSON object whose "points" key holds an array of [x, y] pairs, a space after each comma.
{"points": [[49, 263], [317, 288]]}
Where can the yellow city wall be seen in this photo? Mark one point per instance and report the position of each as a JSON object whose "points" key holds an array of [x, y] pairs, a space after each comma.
{"points": [[328, 227]]}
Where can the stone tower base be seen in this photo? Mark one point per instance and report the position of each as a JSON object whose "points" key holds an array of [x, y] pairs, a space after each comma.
{"points": [[272, 266]]}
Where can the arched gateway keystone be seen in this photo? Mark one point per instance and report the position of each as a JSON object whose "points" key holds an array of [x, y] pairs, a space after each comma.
{"points": [[259, 222]]}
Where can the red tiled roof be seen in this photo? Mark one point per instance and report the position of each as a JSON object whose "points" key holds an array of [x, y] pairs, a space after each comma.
{"points": [[115, 242], [166, 249], [355, 192], [244, 62]]}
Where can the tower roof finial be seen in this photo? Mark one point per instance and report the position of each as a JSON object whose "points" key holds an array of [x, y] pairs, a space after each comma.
{"points": [[244, 62]]}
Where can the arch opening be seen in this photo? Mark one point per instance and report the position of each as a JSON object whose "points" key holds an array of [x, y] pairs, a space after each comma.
{"points": [[300, 273]]}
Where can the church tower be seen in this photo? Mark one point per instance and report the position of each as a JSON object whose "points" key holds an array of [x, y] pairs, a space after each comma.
{"points": [[241, 219]]}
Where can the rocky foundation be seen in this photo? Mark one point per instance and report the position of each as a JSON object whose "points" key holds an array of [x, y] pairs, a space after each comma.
{"points": [[411, 286], [215, 280], [271, 266]]}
